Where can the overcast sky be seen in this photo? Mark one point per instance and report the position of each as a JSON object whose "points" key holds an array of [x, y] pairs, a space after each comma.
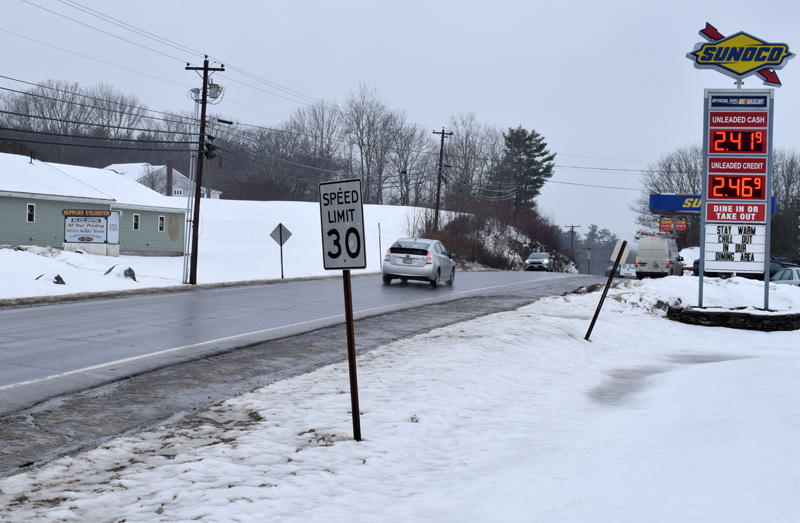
{"points": [[607, 84]]}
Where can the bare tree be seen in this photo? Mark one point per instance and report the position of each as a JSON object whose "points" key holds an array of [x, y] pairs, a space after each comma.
{"points": [[472, 152], [677, 172], [363, 116], [320, 128], [52, 106], [154, 178], [116, 111], [412, 147], [786, 188]]}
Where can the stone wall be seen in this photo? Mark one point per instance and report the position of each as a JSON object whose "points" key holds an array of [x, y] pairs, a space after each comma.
{"points": [[734, 319]]}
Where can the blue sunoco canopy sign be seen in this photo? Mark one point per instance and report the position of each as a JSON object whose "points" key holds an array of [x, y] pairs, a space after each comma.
{"points": [[681, 203]]}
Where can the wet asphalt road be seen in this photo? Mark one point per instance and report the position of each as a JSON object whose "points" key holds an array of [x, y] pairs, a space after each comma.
{"points": [[73, 375]]}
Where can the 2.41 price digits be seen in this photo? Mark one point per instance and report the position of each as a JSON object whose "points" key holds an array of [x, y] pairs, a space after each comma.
{"points": [[743, 141], [736, 187]]}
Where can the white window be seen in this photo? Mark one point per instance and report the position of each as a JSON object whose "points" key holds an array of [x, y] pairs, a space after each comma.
{"points": [[135, 222], [31, 213], [161, 224], [177, 192]]}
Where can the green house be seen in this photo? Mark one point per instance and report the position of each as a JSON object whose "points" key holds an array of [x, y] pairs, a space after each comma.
{"points": [[46, 204]]}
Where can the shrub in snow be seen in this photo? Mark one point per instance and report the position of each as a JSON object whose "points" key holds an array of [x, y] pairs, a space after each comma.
{"points": [[55, 278], [121, 272]]}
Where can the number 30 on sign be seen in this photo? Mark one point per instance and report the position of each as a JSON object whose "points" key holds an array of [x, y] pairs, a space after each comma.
{"points": [[342, 217]]}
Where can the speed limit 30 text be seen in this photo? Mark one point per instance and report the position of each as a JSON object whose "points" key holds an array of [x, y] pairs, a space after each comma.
{"points": [[339, 198]]}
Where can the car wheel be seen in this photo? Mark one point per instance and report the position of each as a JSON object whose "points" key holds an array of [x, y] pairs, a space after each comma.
{"points": [[452, 276], [404, 280], [387, 279], [435, 280]]}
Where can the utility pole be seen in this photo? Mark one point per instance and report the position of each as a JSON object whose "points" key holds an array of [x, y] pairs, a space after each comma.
{"points": [[572, 239], [199, 173], [513, 151], [589, 259], [439, 180]]}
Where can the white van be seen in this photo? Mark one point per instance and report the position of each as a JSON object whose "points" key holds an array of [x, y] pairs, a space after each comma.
{"points": [[658, 257]]}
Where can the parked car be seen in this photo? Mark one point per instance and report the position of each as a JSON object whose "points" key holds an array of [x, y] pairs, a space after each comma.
{"points": [[539, 261], [608, 270], [628, 270], [776, 264], [787, 276], [419, 259], [696, 270], [657, 257]]}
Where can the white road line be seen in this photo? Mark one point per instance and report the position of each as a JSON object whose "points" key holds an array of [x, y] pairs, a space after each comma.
{"points": [[227, 338]]}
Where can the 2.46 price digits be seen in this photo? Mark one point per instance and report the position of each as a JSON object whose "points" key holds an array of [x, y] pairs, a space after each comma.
{"points": [[738, 142], [737, 187]]}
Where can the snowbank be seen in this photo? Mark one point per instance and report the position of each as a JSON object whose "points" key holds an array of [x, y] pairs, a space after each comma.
{"points": [[234, 245], [511, 417]]}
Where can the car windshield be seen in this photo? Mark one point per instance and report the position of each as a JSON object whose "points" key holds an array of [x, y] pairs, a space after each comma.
{"points": [[410, 244], [538, 256]]}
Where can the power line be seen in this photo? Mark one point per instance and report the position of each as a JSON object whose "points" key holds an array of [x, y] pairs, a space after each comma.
{"points": [[104, 32], [598, 158], [556, 202], [93, 59], [597, 186], [304, 99], [129, 27], [187, 133], [395, 148], [181, 120], [105, 109], [26, 140], [94, 137]]}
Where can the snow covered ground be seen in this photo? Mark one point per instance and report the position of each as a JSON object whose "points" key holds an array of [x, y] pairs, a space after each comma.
{"points": [[513, 417], [234, 245]]}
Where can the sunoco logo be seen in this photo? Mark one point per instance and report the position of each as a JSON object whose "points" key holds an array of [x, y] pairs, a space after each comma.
{"points": [[740, 55]]}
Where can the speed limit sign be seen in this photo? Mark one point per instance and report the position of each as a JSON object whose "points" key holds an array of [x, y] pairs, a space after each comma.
{"points": [[342, 214]]}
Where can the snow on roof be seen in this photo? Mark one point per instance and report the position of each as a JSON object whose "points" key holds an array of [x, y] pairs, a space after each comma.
{"points": [[18, 174], [135, 171]]}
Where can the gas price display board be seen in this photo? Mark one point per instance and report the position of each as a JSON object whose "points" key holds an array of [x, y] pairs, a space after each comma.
{"points": [[738, 145]]}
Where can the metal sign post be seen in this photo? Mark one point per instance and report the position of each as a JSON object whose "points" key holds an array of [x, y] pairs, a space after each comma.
{"points": [[619, 250], [281, 235], [380, 249], [343, 247]]}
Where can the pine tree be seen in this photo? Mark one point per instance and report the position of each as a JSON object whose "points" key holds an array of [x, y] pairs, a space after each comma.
{"points": [[532, 163]]}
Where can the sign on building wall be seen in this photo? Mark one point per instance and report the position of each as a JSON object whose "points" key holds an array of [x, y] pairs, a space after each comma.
{"points": [[78, 229], [113, 227], [93, 213], [90, 226]]}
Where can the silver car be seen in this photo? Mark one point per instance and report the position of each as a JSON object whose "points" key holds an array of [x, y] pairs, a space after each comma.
{"points": [[419, 259], [539, 261], [787, 276]]}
